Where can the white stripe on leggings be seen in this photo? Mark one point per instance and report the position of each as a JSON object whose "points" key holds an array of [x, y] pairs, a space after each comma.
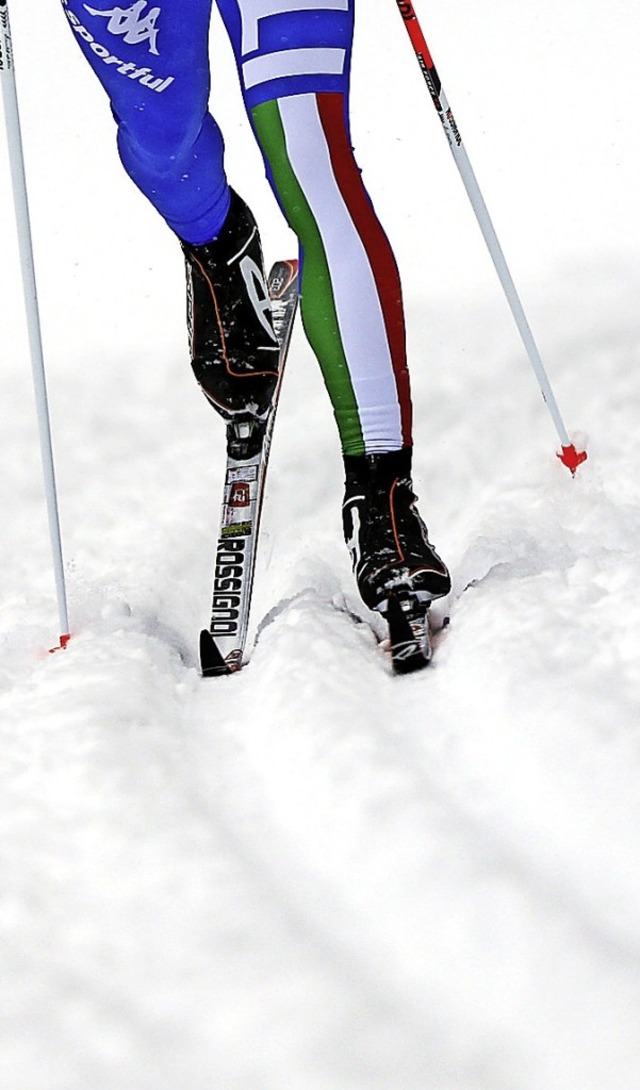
{"points": [[293, 62]]}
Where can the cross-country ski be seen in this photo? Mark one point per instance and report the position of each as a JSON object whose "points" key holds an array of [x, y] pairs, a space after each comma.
{"points": [[222, 645]]}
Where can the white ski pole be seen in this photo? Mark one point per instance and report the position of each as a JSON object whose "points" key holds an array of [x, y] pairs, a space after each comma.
{"points": [[570, 457], [18, 179]]}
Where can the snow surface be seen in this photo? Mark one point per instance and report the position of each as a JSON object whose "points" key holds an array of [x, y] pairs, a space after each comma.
{"points": [[313, 875]]}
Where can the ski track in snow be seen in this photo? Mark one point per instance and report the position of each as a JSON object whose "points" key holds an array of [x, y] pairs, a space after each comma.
{"points": [[313, 875]]}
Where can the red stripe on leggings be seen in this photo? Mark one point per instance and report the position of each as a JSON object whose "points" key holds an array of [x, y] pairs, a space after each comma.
{"points": [[331, 109]]}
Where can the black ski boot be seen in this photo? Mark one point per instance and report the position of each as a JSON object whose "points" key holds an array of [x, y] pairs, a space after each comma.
{"points": [[397, 570], [234, 349]]}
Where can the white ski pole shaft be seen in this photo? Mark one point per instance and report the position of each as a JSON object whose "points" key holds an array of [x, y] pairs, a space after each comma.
{"points": [[570, 457], [18, 179]]}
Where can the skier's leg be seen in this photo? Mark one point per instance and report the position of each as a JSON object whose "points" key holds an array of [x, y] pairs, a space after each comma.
{"points": [[154, 66], [153, 63], [294, 62]]}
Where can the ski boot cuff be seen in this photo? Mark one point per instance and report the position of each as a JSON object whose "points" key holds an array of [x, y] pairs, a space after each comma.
{"points": [[235, 233], [377, 469]]}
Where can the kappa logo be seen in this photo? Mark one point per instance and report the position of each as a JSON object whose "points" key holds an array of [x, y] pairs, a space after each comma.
{"points": [[128, 69], [131, 24]]}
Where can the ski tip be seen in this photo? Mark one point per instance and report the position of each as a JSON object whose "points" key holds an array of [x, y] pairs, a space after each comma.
{"points": [[212, 663], [409, 638]]}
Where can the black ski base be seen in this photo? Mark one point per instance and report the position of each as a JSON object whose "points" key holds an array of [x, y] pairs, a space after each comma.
{"points": [[212, 663], [408, 620]]}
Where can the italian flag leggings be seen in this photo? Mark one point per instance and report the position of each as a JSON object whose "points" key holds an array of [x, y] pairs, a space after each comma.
{"points": [[293, 59]]}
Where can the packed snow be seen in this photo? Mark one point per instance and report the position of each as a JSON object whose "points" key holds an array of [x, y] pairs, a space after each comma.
{"points": [[314, 875]]}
